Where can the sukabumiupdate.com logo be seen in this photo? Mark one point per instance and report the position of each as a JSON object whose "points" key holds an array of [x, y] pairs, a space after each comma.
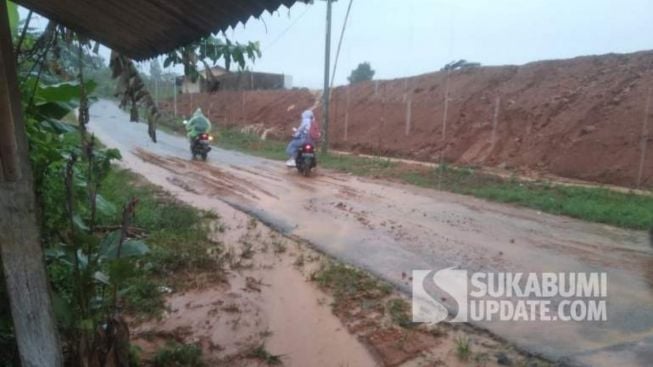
{"points": [[455, 295]]}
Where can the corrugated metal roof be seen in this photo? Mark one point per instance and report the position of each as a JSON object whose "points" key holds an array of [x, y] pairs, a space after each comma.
{"points": [[142, 29]]}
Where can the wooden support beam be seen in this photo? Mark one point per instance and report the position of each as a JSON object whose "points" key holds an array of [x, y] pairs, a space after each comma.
{"points": [[22, 256], [8, 147]]}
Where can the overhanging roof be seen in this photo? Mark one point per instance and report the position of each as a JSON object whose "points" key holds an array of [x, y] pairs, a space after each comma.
{"points": [[142, 29]]}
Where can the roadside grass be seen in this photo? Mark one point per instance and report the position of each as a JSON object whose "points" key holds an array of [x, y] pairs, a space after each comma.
{"points": [[463, 348], [600, 205], [262, 354], [349, 284], [235, 140], [175, 354], [400, 312], [177, 235]]}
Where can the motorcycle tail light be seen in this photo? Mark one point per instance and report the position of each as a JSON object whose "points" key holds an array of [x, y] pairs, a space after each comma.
{"points": [[308, 147]]}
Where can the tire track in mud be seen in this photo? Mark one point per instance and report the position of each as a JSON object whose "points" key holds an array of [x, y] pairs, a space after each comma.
{"points": [[212, 180]]}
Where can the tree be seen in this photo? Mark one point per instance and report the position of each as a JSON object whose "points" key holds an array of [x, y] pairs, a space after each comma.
{"points": [[362, 73], [212, 49]]}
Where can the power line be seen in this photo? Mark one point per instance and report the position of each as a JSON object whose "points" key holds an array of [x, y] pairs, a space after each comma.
{"points": [[342, 35], [283, 33]]}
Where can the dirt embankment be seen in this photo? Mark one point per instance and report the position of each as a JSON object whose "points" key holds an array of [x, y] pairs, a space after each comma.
{"points": [[581, 118]]}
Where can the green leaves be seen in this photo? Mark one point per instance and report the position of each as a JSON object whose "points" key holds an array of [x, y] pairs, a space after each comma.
{"points": [[213, 49], [56, 101], [130, 248], [63, 92], [104, 206], [12, 12]]}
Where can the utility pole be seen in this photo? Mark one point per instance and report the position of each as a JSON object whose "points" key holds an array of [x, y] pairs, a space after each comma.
{"points": [[327, 90]]}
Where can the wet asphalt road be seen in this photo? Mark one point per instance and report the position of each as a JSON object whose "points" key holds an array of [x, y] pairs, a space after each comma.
{"points": [[391, 229]]}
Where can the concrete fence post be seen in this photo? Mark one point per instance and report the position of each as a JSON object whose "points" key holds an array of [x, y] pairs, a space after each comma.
{"points": [[644, 139], [495, 122], [242, 107], [381, 120], [409, 115], [347, 113], [445, 113]]}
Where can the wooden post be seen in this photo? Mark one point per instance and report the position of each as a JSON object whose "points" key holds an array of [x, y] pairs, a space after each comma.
{"points": [[22, 256], [8, 148], [644, 139]]}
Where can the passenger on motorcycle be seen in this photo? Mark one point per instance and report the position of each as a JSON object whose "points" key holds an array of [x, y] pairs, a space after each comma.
{"points": [[301, 136]]}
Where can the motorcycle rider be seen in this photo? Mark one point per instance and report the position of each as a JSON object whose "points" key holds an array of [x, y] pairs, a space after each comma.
{"points": [[197, 125], [301, 136]]}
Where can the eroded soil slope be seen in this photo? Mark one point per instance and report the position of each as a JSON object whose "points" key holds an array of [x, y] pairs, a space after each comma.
{"points": [[581, 118]]}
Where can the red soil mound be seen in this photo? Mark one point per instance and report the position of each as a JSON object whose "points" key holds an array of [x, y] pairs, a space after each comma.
{"points": [[581, 118]]}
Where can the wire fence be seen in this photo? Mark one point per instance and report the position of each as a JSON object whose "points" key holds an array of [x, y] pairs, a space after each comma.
{"points": [[458, 120]]}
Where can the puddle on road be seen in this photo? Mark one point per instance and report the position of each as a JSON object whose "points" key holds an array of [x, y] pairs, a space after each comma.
{"points": [[266, 300]]}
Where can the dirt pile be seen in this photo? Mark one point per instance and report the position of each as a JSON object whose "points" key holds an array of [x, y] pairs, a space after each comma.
{"points": [[581, 118]]}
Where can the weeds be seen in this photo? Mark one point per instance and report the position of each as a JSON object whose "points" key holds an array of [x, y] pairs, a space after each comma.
{"points": [[299, 261], [482, 359], [264, 356], [279, 247], [350, 283], [177, 233], [248, 251], [175, 355], [143, 296], [399, 311], [463, 349]]}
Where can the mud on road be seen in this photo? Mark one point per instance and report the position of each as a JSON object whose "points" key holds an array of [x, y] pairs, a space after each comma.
{"points": [[392, 229]]}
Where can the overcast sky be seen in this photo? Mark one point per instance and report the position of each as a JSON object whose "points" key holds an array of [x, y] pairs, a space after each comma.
{"points": [[409, 37]]}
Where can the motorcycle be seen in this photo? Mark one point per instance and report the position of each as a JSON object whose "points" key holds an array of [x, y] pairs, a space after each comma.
{"points": [[201, 146], [306, 159]]}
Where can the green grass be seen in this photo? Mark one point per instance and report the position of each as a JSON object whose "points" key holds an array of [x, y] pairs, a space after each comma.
{"points": [[399, 311], [178, 355], [463, 349], [626, 210], [177, 235], [348, 283], [235, 140]]}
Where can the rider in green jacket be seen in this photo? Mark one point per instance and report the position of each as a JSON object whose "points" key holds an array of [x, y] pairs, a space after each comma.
{"points": [[198, 124]]}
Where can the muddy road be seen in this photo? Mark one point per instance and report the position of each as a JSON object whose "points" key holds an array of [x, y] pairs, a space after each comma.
{"points": [[391, 229]]}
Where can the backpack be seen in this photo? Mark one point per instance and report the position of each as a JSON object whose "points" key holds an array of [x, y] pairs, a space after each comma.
{"points": [[314, 132]]}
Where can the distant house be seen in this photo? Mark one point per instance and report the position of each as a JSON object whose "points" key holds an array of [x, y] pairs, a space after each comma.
{"points": [[186, 85], [241, 80]]}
